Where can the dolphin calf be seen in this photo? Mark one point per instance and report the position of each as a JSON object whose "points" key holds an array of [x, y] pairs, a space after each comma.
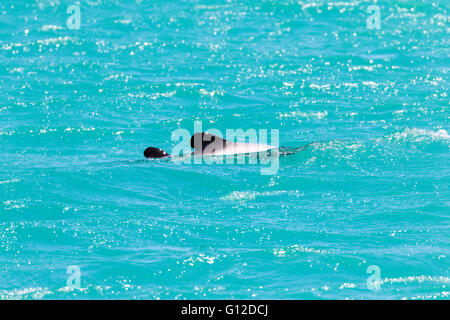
{"points": [[205, 143]]}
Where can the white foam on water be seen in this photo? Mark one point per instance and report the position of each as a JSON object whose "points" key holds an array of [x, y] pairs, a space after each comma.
{"points": [[251, 195]]}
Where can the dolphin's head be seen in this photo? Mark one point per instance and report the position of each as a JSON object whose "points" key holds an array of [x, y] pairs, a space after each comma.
{"points": [[155, 153]]}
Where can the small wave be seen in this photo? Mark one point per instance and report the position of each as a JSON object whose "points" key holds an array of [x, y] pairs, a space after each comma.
{"points": [[418, 279], [282, 252], [211, 93], [57, 40], [320, 87], [64, 130], [15, 204], [202, 258], [251, 195], [51, 27], [300, 114], [417, 135], [347, 285], [123, 21], [9, 181], [27, 293]]}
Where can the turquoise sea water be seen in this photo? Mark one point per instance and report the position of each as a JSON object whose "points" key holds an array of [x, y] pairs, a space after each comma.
{"points": [[79, 106]]}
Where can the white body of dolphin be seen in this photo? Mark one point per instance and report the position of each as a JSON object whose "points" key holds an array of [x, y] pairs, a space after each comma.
{"points": [[232, 148]]}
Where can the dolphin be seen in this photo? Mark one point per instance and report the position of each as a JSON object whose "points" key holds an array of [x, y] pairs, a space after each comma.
{"points": [[205, 143]]}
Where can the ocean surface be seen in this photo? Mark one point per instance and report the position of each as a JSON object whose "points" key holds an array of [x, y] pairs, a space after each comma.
{"points": [[84, 216]]}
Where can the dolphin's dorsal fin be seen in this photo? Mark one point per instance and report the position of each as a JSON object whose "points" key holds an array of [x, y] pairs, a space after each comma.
{"points": [[201, 140]]}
